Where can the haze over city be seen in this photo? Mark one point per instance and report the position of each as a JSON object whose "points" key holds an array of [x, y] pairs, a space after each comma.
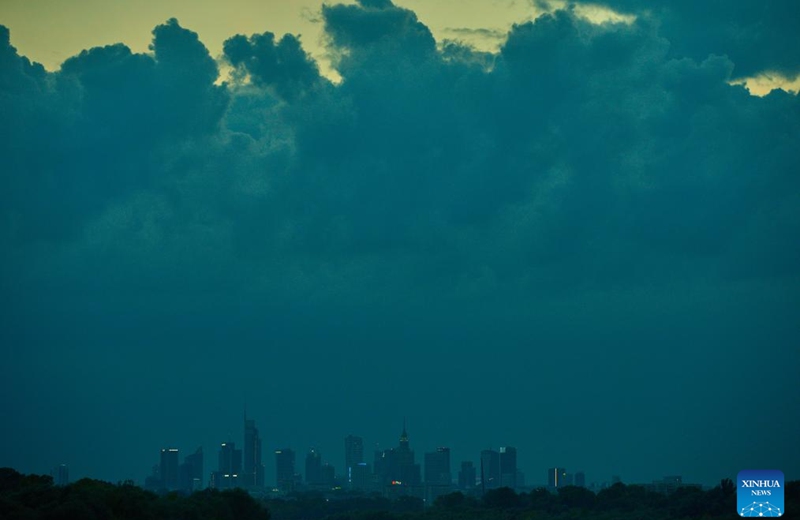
{"points": [[568, 228]]}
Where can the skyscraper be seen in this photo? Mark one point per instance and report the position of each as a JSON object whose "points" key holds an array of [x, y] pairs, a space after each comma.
{"points": [[407, 470], [60, 475], [230, 459], [401, 465], [328, 475], [313, 468], [508, 467], [437, 467], [169, 468], [397, 471], [229, 471], [253, 471], [467, 476], [438, 481], [490, 469], [361, 477], [191, 472], [353, 455], [284, 469]]}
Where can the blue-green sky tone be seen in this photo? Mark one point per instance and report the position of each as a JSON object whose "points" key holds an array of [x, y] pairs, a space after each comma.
{"points": [[565, 229]]}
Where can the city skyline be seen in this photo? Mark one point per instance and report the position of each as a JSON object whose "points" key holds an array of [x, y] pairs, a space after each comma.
{"points": [[489, 469], [568, 228]]}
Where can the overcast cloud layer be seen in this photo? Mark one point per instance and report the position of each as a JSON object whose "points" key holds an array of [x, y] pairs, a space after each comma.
{"points": [[585, 245]]}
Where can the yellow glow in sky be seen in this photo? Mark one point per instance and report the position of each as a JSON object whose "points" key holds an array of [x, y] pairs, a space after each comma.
{"points": [[766, 82], [50, 31]]}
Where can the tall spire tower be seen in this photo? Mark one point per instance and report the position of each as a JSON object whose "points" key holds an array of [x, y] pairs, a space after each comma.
{"points": [[253, 468], [404, 436]]}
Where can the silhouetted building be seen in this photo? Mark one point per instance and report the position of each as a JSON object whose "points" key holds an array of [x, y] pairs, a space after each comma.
{"points": [[399, 466], [313, 468], [361, 477], [669, 485], [580, 479], [438, 480], [328, 472], [229, 472], [379, 463], [490, 469], [169, 469], [397, 470], [253, 470], [190, 476], [407, 470], [353, 455], [437, 467], [508, 467], [467, 476], [556, 477], [153, 482], [60, 475], [230, 459], [284, 470]]}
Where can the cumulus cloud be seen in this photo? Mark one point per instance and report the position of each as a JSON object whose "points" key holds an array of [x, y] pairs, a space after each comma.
{"points": [[757, 36], [580, 164], [580, 146], [283, 65]]}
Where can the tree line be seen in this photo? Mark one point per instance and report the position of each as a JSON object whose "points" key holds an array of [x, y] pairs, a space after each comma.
{"points": [[34, 497]]}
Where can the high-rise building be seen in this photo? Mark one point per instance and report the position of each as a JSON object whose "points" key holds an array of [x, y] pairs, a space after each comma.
{"points": [[672, 483], [313, 468], [190, 476], [253, 470], [556, 477], [508, 467], [397, 471], [398, 464], [408, 469], [437, 467], [230, 459], [153, 481], [438, 480], [361, 477], [229, 472], [284, 469], [580, 479], [467, 476], [169, 468], [490, 469], [353, 455], [328, 472], [60, 475]]}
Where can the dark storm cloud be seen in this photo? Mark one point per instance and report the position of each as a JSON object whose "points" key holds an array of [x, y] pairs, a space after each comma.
{"points": [[757, 36], [101, 124], [283, 65], [588, 210], [377, 24]]}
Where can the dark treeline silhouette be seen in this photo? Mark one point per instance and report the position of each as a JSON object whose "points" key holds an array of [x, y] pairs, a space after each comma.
{"points": [[33, 497]]}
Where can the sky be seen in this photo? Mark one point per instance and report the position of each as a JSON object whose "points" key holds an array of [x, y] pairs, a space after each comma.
{"points": [[566, 228]]}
